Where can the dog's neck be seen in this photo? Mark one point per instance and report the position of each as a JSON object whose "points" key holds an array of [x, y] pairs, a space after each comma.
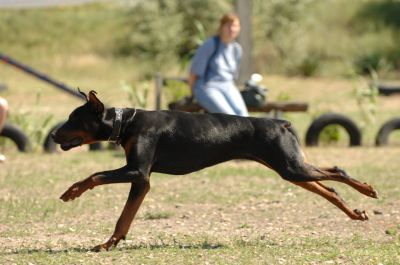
{"points": [[118, 119], [117, 124]]}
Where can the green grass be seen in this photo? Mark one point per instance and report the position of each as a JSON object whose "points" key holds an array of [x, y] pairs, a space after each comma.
{"points": [[258, 251], [157, 215], [236, 213]]}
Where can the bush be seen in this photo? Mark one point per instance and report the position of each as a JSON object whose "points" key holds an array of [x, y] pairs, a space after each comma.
{"points": [[307, 66], [293, 36], [165, 32], [330, 134], [393, 57], [366, 63], [176, 90], [148, 33]]}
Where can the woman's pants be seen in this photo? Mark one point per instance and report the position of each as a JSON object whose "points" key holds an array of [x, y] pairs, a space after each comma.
{"points": [[222, 99]]}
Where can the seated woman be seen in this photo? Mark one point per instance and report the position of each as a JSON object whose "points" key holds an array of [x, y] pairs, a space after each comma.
{"points": [[215, 68]]}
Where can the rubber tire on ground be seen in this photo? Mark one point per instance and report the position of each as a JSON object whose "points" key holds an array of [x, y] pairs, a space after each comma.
{"points": [[316, 127], [50, 146], [382, 138], [388, 90], [15, 134]]}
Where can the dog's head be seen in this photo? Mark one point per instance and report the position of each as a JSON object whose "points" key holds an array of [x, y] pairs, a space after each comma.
{"points": [[84, 124]]}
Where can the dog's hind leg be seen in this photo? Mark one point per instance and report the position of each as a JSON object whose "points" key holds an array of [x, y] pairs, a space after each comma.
{"points": [[337, 174], [288, 160], [331, 195], [136, 196]]}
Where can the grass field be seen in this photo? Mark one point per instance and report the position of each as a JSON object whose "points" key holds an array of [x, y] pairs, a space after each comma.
{"points": [[235, 213]]}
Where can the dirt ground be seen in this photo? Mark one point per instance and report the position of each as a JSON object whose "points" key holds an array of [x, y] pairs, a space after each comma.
{"points": [[281, 214]]}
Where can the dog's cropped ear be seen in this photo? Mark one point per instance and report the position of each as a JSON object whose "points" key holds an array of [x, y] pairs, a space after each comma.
{"points": [[95, 103], [83, 94]]}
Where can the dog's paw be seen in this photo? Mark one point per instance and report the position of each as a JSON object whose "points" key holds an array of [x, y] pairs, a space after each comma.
{"points": [[112, 242], [75, 191], [71, 193], [371, 192], [360, 215], [99, 248]]}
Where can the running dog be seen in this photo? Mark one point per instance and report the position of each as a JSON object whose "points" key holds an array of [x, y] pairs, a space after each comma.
{"points": [[174, 142]]}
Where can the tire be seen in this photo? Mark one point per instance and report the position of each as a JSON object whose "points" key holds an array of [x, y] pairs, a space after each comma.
{"points": [[50, 146], [15, 134], [382, 137], [388, 90], [316, 127]]}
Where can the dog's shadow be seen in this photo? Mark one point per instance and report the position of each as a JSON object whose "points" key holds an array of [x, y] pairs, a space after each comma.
{"points": [[46, 251], [125, 247]]}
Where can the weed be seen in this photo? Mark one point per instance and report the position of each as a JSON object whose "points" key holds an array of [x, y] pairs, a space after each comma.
{"points": [[366, 63], [330, 134], [309, 66], [157, 215], [138, 96], [176, 90], [366, 96]]}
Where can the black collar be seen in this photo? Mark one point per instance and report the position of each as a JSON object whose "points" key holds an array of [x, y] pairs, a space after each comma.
{"points": [[115, 134], [116, 130]]}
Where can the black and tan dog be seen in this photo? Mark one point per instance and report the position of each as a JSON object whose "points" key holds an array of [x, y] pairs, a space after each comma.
{"points": [[174, 142]]}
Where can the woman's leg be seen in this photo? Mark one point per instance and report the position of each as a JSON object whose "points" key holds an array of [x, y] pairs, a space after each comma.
{"points": [[213, 100], [235, 100]]}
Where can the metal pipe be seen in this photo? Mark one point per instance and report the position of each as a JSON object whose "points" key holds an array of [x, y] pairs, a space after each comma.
{"points": [[27, 69]]}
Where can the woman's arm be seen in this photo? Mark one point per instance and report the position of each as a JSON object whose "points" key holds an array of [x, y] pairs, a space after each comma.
{"points": [[238, 52], [192, 80], [200, 61]]}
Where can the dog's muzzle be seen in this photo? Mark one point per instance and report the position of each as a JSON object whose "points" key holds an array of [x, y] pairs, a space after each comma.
{"points": [[65, 144]]}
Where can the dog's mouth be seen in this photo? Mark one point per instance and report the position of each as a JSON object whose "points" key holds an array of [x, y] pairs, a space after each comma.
{"points": [[72, 143]]}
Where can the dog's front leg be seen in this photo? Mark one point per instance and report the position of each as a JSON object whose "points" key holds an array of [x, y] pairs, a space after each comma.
{"points": [[140, 186], [121, 175], [136, 196]]}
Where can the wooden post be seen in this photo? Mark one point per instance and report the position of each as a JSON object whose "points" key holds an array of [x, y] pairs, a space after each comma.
{"points": [[159, 85], [243, 9]]}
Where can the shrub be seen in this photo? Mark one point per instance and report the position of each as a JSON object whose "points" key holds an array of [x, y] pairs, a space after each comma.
{"points": [[176, 90], [138, 96], [330, 134], [366, 63], [164, 32], [308, 66], [393, 57]]}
